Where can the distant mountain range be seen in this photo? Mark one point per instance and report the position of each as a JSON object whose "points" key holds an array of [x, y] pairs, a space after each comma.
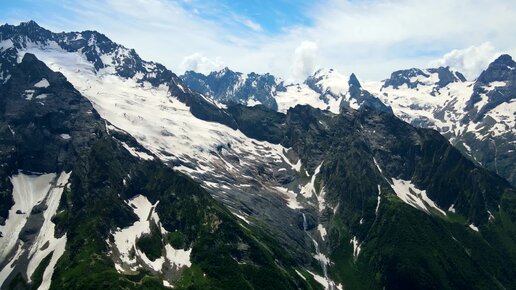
{"points": [[478, 117], [115, 173]]}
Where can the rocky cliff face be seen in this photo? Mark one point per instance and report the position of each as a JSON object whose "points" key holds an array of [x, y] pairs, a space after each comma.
{"points": [[76, 187], [227, 86], [475, 116]]}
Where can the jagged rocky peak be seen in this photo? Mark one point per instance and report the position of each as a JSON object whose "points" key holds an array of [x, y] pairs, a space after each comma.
{"points": [[357, 98], [495, 86], [353, 81], [106, 56], [228, 86], [414, 77], [225, 72], [501, 69], [26, 30]]}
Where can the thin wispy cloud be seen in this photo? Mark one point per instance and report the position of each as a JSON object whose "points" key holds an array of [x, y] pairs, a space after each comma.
{"points": [[371, 38]]}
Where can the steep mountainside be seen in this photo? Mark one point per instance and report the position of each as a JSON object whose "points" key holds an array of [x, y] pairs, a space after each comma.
{"points": [[303, 198], [417, 180], [476, 116], [326, 90], [227, 86], [90, 208]]}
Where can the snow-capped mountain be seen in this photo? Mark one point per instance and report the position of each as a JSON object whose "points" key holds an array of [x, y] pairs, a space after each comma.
{"points": [[227, 86], [325, 89], [334, 193], [476, 116]]}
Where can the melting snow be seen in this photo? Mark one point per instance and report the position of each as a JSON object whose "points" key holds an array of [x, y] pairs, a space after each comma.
{"points": [[356, 246], [417, 198], [46, 236], [178, 258], [28, 94], [322, 231], [42, 84], [136, 153], [290, 197], [125, 240], [65, 136], [473, 227], [28, 190], [379, 199], [309, 189]]}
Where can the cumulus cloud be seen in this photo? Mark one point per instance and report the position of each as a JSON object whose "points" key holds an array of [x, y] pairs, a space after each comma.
{"points": [[370, 38], [470, 61], [305, 59], [200, 63]]}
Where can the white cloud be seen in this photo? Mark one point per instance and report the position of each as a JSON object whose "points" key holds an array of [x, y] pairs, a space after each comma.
{"points": [[305, 58], [200, 63], [470, 61], [371, 38], [250, 24]]}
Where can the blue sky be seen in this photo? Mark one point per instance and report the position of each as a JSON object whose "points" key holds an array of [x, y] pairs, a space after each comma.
{"points": [[267, 16], [291, 38]]}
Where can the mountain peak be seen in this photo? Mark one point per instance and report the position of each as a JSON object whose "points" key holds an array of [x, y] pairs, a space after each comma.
{"points": [[501, 69], [415, 77], [30, 23], [504, 59], [353, 81]]}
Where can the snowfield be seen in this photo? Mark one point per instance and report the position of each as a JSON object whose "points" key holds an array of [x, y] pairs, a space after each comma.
{"points": [[413, 196], [163, 124], [129, 257], [29, 191]]}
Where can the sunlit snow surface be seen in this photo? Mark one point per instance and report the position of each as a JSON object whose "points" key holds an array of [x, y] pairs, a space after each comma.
{"points": [[129, 257], [413, 196], [449, 102], [165, 126], [28, 191], [329, 81], [42, 84]]}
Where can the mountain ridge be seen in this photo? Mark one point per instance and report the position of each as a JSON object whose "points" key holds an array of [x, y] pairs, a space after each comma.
{"points": [[307, 198]]}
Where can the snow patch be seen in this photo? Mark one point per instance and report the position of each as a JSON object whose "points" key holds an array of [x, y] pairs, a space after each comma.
{"points": [[28, 94], [413, 196], [309, 190], [356, 246], [6, 44], [42, 84], [473, 227], [253, 102], [139, 154], [28, 190], [41, 97], [179, 258], [322, 231], [125, 240], [379, 199], [290, 196], [65, 136], [46, 234]]}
